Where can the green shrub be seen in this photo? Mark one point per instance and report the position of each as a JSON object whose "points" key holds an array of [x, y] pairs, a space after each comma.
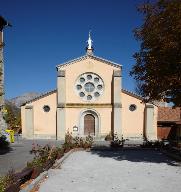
{"points": [[77, 142], [109, 137], [2, 184], [116, 142], [69, 142], [88, 141], [7, 180], [3, 143], [60, 152], [42, 155]]}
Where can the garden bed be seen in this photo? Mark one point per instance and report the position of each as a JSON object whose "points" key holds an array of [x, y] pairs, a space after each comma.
{"points": [[45, 157]]}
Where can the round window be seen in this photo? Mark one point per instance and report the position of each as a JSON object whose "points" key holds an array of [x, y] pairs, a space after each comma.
{"points": [[89, 86], [99, 87], [46, 108], [79, 87], [81, 94], [89, 77], [132, 107], [96, 94], [82, 79], [96, 79], [89, 97]]}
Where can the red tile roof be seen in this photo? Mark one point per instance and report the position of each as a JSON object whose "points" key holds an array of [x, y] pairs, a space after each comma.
{"points": [[169, 114]]}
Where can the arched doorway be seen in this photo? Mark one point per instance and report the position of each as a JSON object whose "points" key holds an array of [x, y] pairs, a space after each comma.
{"points": [[89, 124]]}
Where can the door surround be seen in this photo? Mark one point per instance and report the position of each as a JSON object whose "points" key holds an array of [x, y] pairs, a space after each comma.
{"points": [[97, 121]]}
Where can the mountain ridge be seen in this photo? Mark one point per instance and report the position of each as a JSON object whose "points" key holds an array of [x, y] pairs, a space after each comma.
{"points": [[19, 100]]}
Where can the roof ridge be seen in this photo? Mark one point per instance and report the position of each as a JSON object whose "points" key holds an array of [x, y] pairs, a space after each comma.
{"points": [[55, 90], [133, 94], [88, 56], [40, 96]]}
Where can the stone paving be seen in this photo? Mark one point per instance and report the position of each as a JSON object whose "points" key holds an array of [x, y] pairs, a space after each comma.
{"points": [[106, 170]]}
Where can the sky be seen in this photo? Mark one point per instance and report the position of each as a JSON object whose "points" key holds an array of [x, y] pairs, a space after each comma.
{"points": [[46, 33]]}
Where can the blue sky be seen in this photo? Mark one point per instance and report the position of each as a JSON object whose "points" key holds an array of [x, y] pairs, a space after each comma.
{"points": [[49, 32]]}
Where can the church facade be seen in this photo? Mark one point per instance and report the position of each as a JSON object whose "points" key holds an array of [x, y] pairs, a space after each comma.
{"points": [[89, 99]]}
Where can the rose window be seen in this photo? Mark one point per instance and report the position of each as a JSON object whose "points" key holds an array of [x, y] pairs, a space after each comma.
{"points": [[89, 86]]}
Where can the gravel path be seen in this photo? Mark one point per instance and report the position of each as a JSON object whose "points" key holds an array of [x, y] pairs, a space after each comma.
{"points": [[115, 171]]}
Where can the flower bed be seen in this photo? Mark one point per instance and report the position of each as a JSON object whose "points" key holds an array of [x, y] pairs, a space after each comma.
{"points": [[44, 158], [114, 140]]}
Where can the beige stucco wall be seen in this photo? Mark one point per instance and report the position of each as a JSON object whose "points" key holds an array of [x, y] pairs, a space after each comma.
{"points": [[44, 122], [155, 122], [23, 121], [132, 121], [132, 124], [73, 119], [72, 72]]}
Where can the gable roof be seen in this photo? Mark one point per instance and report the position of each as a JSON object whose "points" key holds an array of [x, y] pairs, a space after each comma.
{"points": [[40, 97], [55, 90], [91, 57], [132, 94]]}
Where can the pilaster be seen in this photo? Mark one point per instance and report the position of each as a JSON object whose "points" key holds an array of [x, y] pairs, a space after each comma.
{"points": [[117, 118], [29, 125], [61, 97], [149, 122]]}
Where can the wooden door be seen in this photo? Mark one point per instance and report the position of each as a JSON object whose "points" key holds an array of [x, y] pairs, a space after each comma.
{"points": [[89, 125]]}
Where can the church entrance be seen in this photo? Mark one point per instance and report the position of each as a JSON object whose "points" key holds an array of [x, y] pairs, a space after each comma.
{"points": [[89, 124]]}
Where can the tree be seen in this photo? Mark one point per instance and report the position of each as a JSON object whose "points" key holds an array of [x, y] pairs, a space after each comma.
{"points": [[12, 116], [158, 62]]}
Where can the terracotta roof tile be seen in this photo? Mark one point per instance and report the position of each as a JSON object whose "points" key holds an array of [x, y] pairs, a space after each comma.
{"points": [[169, 114]]}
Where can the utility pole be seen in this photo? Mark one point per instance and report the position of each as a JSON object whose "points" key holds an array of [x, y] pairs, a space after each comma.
{"points": [[3, 24]]}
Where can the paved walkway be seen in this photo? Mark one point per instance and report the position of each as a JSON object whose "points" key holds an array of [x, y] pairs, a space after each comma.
{"points": [[115, 171], [19, 154]]}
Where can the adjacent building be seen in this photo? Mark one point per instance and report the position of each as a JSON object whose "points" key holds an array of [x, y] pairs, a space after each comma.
{"points": [[169, 124]]}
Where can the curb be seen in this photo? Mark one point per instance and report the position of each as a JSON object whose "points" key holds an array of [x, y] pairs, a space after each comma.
{"points": [[58, 162], [44, 174], [35, 182]]}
